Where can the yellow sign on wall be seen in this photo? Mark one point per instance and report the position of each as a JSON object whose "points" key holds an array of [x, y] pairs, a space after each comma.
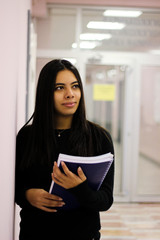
{"points": [[104, 92]]}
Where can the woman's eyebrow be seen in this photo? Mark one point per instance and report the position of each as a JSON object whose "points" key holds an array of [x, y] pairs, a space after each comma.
{"points": [[64, 83], [59, 84], [74, 82]]}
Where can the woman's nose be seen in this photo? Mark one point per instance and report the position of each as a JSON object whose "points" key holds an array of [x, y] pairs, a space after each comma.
{"points": [[69, 93]]}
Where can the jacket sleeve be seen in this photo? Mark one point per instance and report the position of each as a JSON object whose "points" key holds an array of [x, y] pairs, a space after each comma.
{"points": [[102, 199], [21, 183]]}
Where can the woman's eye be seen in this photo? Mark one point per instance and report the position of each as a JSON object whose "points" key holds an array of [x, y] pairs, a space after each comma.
{"points": [[76, 86], [59, 88]]}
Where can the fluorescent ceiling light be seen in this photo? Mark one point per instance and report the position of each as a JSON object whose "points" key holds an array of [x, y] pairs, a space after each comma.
{"points": [[122, 13], [106, 25], [86, 44], [95, 36]]}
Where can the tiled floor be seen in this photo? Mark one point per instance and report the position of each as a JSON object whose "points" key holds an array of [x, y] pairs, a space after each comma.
{"points": [[131, 221]]}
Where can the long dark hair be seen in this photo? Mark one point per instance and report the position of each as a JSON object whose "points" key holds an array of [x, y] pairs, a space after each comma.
{"points": [[42, 138], [44, 116]]}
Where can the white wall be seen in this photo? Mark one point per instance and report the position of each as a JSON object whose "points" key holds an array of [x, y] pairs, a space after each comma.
{"points": [[13, 25]]}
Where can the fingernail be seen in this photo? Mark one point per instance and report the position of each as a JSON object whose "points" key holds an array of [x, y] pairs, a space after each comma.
{"points": [[62, 204]]}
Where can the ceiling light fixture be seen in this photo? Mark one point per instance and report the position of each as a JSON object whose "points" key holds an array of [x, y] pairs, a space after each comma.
{"points": [[95, 36], [105, 25], [122, 13], [86, 45]]}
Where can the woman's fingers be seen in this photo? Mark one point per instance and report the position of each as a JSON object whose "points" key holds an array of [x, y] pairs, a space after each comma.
{"points": [[58, 174], [67, 179], [47, 209], [51, 203], [43, 200], [65, 169], [81, 174], [50, 196]]}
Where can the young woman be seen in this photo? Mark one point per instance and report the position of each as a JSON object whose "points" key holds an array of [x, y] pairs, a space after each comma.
{"points": [[60, 126]]}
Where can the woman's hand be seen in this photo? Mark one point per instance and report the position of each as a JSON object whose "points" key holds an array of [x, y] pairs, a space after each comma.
{"points": [[67, 179], [43, 200]]}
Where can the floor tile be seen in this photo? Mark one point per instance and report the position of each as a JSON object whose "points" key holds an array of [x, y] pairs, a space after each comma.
{"points": [[136, 221]]}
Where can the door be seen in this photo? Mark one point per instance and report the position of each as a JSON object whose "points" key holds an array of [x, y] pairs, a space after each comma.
{"points": [[106, 93], [147, 184], [130, 110]]}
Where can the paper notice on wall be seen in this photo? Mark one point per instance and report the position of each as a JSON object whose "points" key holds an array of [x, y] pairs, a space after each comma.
{"points": [[103, 92]]}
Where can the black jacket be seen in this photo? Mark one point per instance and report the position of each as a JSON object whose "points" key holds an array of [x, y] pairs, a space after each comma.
{"points": [[82, 223]]}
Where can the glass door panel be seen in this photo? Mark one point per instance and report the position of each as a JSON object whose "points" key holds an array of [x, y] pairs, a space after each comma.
{"points": [[149, 132], [104, 94]]}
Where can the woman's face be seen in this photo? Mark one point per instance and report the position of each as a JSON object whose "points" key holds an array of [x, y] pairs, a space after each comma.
{"points": [[67, 94]]}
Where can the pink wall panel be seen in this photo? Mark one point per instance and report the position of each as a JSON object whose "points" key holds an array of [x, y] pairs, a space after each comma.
{"points": [[39, 7], [126, 3]]}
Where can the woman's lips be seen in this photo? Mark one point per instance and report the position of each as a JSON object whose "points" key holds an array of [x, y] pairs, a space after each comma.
{"points": [[69, 104]]}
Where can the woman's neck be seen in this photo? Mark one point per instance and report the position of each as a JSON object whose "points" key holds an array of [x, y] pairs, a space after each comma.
{"points": [[63, 122]]}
